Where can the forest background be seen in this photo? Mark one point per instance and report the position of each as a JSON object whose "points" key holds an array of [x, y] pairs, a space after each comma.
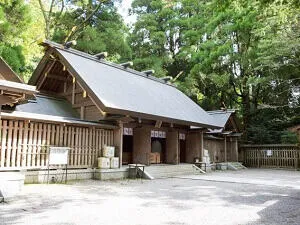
{"points": [[236, 54]]}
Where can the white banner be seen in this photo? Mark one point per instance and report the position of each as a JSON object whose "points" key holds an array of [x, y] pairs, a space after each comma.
{"points": [[127, 131], [158, 134], [181, 136]]}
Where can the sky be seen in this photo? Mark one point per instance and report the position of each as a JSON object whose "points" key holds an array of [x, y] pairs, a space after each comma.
{"points": [[123, 10]]}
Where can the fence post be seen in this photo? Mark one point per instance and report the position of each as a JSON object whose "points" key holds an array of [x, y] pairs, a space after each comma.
{"points": [[258, 157], [296, 158]]}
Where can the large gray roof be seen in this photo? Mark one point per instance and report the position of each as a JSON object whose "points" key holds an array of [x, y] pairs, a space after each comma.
{"points": [[129, 92], [46, 105], [49, 109], [221, 117]]}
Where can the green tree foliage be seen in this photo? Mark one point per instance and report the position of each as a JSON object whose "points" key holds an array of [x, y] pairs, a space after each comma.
{"points": [[14, 19], [238, 54], [104, 31], [269, 125], [232, 53], [95, 25], [288, 137], [228, 51], [156, 37]]}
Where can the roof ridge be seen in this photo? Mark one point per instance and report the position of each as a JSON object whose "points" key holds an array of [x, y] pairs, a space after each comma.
{"points": [[108, 63]]}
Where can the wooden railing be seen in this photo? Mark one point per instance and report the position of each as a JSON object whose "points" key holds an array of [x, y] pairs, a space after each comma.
{"points": [[26, 144], [278, 156]]}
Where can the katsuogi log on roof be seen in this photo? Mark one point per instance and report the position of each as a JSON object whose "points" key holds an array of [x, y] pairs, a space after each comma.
{"points": [[123, 91]]}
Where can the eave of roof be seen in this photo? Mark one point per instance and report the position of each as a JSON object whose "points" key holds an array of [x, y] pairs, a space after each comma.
{"points": [[52, 119], [17, 87], [8, 73]]}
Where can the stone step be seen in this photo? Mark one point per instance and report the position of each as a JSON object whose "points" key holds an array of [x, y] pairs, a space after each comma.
{"points": [[236, 165], [162, 171]]}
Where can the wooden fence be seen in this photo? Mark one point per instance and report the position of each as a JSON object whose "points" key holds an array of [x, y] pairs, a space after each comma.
{"points": [[25, 144], [278, 156]]}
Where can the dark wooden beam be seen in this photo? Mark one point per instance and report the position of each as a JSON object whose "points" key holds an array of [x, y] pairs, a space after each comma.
{"points": [[86, 103], [158, 123], [45, 75], [77, 91], [56, 77]]}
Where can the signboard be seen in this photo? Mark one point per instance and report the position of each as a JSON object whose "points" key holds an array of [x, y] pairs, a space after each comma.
{"points": [[128, 131], [269, 153], [158, 134], [58, 155]]}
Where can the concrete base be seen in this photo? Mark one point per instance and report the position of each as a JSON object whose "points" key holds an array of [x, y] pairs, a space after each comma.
{"points": [[58, 176], [11, 184], [221, 166], [111, 174], [207, 168]]}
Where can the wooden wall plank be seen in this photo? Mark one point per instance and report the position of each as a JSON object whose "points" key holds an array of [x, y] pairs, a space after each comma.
{"points": [[61, 135], [14, 144], [86, 143], [97, 143], [112, 137], [8, 144], [53, 131], [76, 146], [43, 148], [106, 137], [25, 146], [19, 143], [102, 139], [80, 146], [29, 150], [57, 135], [66, 134], [48, 142], [3, 142], [90, 147], [72, 146], [39, 144], [83, 147], [68, 142], [34, 147]]}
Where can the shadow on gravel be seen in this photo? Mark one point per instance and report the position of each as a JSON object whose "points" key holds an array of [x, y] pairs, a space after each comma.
{"points": [[9, 214], [285, 211], [277, 205]]}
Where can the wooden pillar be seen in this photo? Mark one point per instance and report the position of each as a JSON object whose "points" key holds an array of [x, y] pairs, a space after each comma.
{"points": [[141, 145], [193, 146], [82, 113], [225, 148], [118, 142], [172, 147], [236, 149]]}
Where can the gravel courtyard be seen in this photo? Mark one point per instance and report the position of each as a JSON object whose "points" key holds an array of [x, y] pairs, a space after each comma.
{"points": [[243, 197]]}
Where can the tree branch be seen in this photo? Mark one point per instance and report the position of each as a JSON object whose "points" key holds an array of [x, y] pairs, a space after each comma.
{"points": [[75, 29]]}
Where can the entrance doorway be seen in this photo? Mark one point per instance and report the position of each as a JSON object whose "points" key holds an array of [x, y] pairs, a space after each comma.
{"points": [[158, 149], [182, 150], [127, 149]]}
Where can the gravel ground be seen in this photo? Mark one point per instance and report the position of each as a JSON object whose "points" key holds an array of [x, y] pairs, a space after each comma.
{"points": [[182, 201]]}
